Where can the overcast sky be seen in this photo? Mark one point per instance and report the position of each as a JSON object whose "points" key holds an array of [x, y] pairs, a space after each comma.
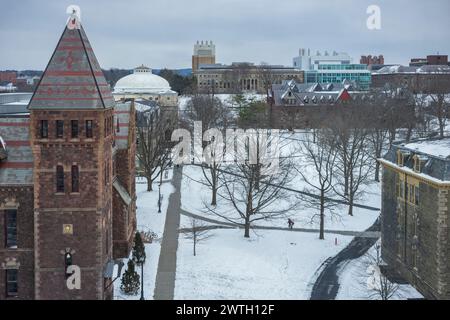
{"points": [[161, 33]]}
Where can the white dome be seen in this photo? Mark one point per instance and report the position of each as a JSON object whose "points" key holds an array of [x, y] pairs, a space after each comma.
{"points": [[142, 81]]}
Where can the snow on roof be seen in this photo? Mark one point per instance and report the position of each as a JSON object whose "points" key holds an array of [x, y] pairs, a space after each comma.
{"points": [[437, 148]]}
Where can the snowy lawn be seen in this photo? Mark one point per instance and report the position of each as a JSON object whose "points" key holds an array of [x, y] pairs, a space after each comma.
{"points": [[148, 219], [269, 265], [353, 277], [195, 197]]}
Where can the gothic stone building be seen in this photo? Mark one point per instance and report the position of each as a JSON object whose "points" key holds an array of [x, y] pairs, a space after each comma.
{"points": [[415, 215], [67, 171]]}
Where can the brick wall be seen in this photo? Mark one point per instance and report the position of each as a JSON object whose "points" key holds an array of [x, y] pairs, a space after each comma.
{"points": [[22, 257], [89, 211]]}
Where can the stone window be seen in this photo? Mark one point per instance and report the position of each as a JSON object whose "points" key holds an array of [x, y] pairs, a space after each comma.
{"points": [[11, 228], [75, 178], [59, 179], [412, 193], [74, 124], [400, 158], [89, 129], [118, 125], [11, 282], [44, 129], [59, 129]]}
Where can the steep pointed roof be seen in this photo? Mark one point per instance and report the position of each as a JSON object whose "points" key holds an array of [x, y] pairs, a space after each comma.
{"points": [[73, 78]]}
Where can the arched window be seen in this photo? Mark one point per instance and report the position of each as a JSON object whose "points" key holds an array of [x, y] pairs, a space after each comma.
{"points": [[59, 179], [75, 179]]}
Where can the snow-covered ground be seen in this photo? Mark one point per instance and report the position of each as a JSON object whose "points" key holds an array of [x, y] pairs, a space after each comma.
{"points": [[148, 219], [269, 265], [353, 277], [196, 197]]}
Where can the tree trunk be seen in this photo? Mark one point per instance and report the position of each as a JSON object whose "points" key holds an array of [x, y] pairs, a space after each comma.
{"points": [[377, 171], [149, 184], [322, 215], [247, 228], [409, 134], [195, 244], [350, 204], [214, 192]]}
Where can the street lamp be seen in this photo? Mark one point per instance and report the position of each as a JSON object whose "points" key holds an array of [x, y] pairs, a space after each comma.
{"points": [[159, 198], [142, 280]]}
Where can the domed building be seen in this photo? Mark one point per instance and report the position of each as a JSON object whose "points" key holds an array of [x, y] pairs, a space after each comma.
{"points": [[143, 84]]}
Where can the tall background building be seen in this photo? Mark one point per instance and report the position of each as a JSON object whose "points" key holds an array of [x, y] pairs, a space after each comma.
{"points": [[204, 53]]}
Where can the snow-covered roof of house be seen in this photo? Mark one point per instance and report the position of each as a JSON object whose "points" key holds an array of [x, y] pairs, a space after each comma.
{"points": [[413, 69], [311, 93], [435, 153]]}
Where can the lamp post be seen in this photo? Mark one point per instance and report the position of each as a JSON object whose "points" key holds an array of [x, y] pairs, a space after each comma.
{"points": [[142, 280], [159, 198]]}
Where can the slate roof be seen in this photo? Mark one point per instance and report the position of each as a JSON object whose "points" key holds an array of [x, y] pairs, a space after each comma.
{"points": [[122, 113], [435, 154], [17, 169], [73, 78], [311, 93]]}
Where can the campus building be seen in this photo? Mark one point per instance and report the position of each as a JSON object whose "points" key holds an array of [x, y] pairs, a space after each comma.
{"points": [[415, 215], [243, 77], [67, 172], [331, 68], [204, 53]]}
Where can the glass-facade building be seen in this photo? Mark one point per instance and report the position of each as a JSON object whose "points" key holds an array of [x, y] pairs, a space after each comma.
{"points": [[336, 73]]}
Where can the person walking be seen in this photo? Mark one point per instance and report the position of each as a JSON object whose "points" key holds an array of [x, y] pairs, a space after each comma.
{"points": [[290, 223]]}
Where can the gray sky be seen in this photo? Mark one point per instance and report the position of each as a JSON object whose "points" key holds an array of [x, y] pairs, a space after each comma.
{"points": [[161, 33]]}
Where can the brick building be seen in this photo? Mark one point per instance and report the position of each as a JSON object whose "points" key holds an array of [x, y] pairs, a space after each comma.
{"points": [[8, 76], [67, 192], [415, 215], [431, 60], [299, 106], [425, 79], [370, 60]]}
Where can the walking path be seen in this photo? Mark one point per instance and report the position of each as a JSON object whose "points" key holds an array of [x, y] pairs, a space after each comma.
{"points": [[221, 224], [326, 286], [167, 265]]}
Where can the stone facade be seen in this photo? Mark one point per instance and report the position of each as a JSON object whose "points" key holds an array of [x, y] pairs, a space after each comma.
{"points": [[69, 176], [415, 215]]}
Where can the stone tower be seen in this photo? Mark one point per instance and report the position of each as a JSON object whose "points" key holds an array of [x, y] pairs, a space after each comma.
{"points": [[204, 53], [71, 131]]}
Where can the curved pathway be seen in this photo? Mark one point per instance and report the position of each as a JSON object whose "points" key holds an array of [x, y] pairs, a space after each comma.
{"points": [[326, 285], [222, 224]]}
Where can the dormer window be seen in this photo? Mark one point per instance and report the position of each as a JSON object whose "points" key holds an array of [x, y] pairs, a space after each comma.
{"points": [[400, 159], [419, 162]]}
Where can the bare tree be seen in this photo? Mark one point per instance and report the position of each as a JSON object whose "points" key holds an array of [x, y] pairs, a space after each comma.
{"points": [[198, 232], [377, 139], [213, 115], [438, 89], [378, 285], [153, 148], [319, 171], [353, 157], [255, 190]]}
